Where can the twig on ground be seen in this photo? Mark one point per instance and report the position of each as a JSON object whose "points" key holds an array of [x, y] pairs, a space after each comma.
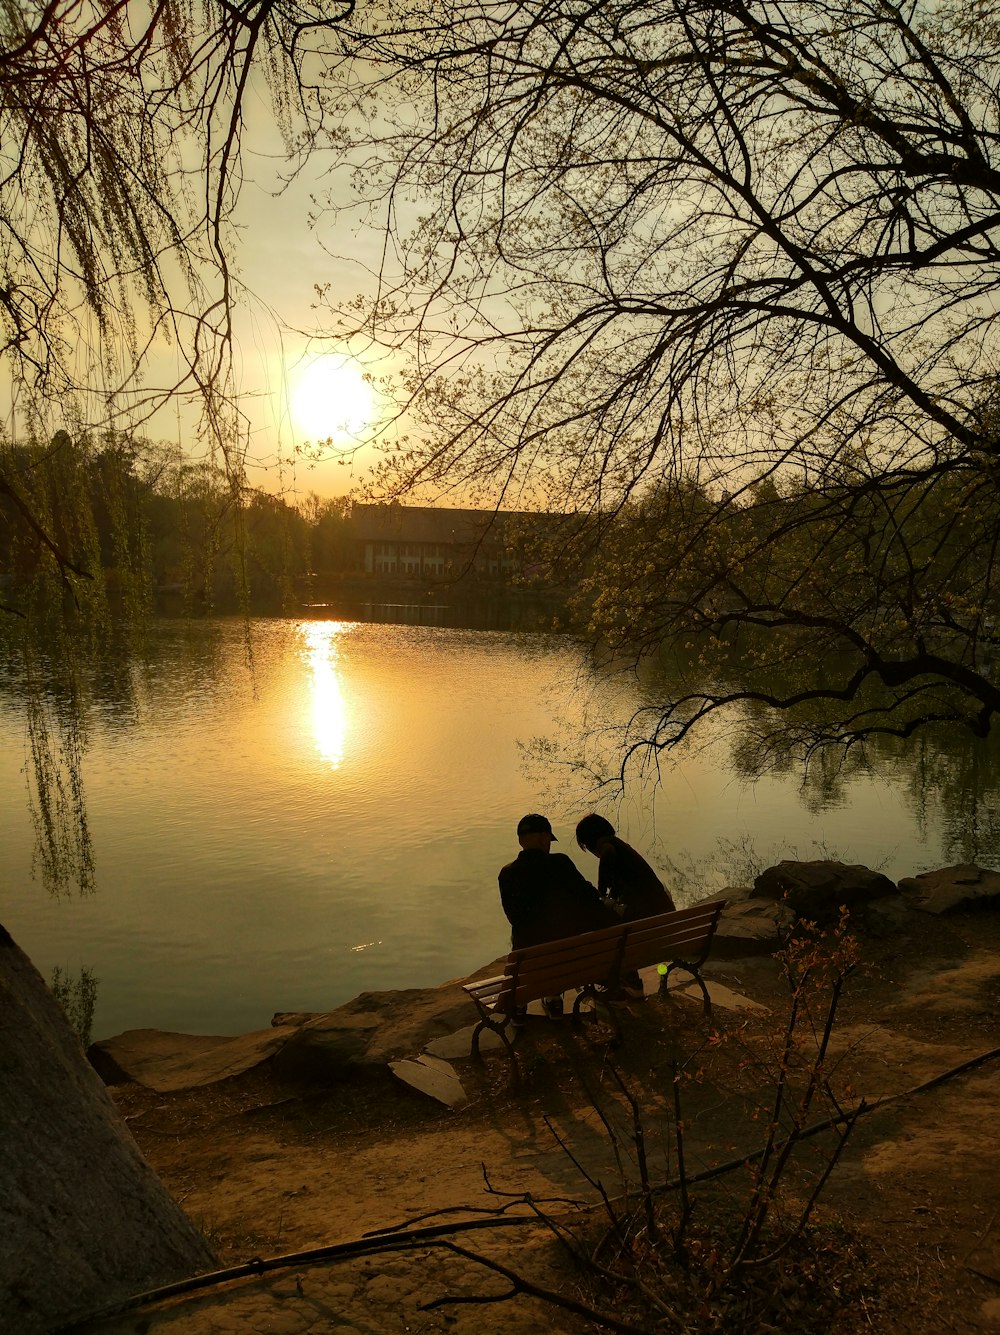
{"points": [[520, 1284], [981, 1239]]}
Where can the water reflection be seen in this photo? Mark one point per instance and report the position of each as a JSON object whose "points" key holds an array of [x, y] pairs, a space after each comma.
{"points": [[516, 610], [342, 816], [329, 708]]}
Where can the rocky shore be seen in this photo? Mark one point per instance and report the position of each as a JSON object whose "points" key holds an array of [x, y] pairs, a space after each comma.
{"points": [[378, 1029], [311, 1134]]}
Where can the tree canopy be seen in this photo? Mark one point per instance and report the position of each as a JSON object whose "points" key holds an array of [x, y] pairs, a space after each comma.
{"points": [[120, 173], [719, 275], [722, 275]]}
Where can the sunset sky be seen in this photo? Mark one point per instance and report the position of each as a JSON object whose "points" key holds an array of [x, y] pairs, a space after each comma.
{"points": [[301, 383]]}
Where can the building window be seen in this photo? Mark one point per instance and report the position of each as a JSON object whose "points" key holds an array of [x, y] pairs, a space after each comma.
{"points": [[385, 558]]}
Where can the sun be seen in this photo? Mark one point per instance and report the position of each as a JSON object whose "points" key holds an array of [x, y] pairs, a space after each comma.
{"points": [[330, 397]]}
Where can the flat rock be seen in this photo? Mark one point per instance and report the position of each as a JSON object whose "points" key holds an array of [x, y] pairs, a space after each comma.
{"points": [[168, 1062], [317, 1047], [723, 997], [453, 1047], [432, 1077], [950, 888], [400, 1022]]}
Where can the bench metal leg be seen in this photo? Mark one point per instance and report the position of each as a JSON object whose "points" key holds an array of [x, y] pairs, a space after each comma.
{"points": [[498, 1027], [600, 999], [695, 974]]}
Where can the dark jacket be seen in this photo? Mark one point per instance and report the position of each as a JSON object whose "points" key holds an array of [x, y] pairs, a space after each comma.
{"points": [[625, 875], [546, 897]]}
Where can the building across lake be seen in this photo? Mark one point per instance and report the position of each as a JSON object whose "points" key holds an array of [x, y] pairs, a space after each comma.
{"points": [[424, 542]]}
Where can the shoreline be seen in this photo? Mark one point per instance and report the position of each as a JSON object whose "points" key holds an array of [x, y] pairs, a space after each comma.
{"points": [[271, 1164]]}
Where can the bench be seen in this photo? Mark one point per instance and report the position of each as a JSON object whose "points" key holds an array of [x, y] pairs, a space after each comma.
{"points": [[593, 964]]}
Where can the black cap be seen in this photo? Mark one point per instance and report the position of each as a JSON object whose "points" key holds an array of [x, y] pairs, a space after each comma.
{"points": [[535, 824]]}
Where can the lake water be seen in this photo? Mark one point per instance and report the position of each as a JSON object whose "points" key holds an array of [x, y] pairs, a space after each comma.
{"points": [[333, 821]]}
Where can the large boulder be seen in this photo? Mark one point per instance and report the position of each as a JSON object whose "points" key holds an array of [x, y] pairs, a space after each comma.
{"points": [[325, 1048], [950, 888], [750, 924], [84, 1220], [372, 1030], [818, 890]]}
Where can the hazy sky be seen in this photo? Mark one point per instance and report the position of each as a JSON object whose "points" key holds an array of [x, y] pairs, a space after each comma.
{"points": [[282, 258], [278, 333]]}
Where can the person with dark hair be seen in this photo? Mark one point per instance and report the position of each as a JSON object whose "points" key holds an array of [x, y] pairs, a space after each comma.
{"points": [[545, 896], [624, 877]]}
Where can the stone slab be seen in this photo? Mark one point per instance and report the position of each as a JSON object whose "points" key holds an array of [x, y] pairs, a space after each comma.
{"points": [[434, 1078], [437, 1064], [650, 980], [723, 997], [168, 1062], [453, 1047]]}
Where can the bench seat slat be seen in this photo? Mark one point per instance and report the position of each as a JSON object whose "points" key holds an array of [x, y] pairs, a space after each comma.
{"points": [[679, 937], [604, 938], [667, 946]]}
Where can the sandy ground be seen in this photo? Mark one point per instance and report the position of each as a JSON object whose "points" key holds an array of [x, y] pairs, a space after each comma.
{"points": [[270, 1170]]}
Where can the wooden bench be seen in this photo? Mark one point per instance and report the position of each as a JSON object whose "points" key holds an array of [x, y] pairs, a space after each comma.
{"points": [[593, 964]]}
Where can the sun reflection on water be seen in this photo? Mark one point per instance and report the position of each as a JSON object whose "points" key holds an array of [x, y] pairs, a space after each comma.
{"points": [[329, 708]]}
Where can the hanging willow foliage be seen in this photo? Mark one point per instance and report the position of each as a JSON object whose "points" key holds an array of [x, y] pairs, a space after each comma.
{"points": [[120, 168]]}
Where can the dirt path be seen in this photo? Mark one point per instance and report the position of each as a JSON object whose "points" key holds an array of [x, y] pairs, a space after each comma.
{"points": [[267, 1170]]}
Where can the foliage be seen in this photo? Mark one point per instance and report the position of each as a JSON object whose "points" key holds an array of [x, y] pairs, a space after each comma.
{"points": [[77, 996], [851, 618], [121, 128], [94, 533], [733, 1246], [143, 521], [720, 276]]}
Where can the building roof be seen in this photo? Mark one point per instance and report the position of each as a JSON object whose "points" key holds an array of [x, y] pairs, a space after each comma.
{"points": [[426, 523]]}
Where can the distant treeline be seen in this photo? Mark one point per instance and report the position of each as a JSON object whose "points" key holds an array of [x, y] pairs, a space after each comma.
{"points": [[152, 527]]}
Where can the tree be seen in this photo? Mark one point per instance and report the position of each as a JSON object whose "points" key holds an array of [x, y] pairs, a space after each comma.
{"points": [[121, 171], [122, 137], [742, 251], [332, 541]]}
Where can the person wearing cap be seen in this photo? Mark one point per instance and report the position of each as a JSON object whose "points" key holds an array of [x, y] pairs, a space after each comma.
{"points": [[545, 896], [623, 876]]}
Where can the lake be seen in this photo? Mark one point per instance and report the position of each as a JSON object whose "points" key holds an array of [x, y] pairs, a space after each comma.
{"points": [[332, 821]]}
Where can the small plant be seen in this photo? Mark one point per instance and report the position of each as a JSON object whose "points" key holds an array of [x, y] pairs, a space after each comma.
{"points": [[77, 996], [734, 1247]]}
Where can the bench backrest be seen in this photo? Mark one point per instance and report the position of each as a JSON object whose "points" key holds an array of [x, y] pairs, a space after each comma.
{"points": [[595, 957]]}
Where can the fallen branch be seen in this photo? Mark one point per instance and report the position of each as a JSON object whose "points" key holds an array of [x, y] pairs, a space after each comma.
{"points": [[405, 1241], [521, 1285], [257, 1265], [489, 1211], [981, 1274]]}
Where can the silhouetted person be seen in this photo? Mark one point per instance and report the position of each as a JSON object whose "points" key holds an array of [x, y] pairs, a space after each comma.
{"points": [[545, 896], [623, 875]]}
